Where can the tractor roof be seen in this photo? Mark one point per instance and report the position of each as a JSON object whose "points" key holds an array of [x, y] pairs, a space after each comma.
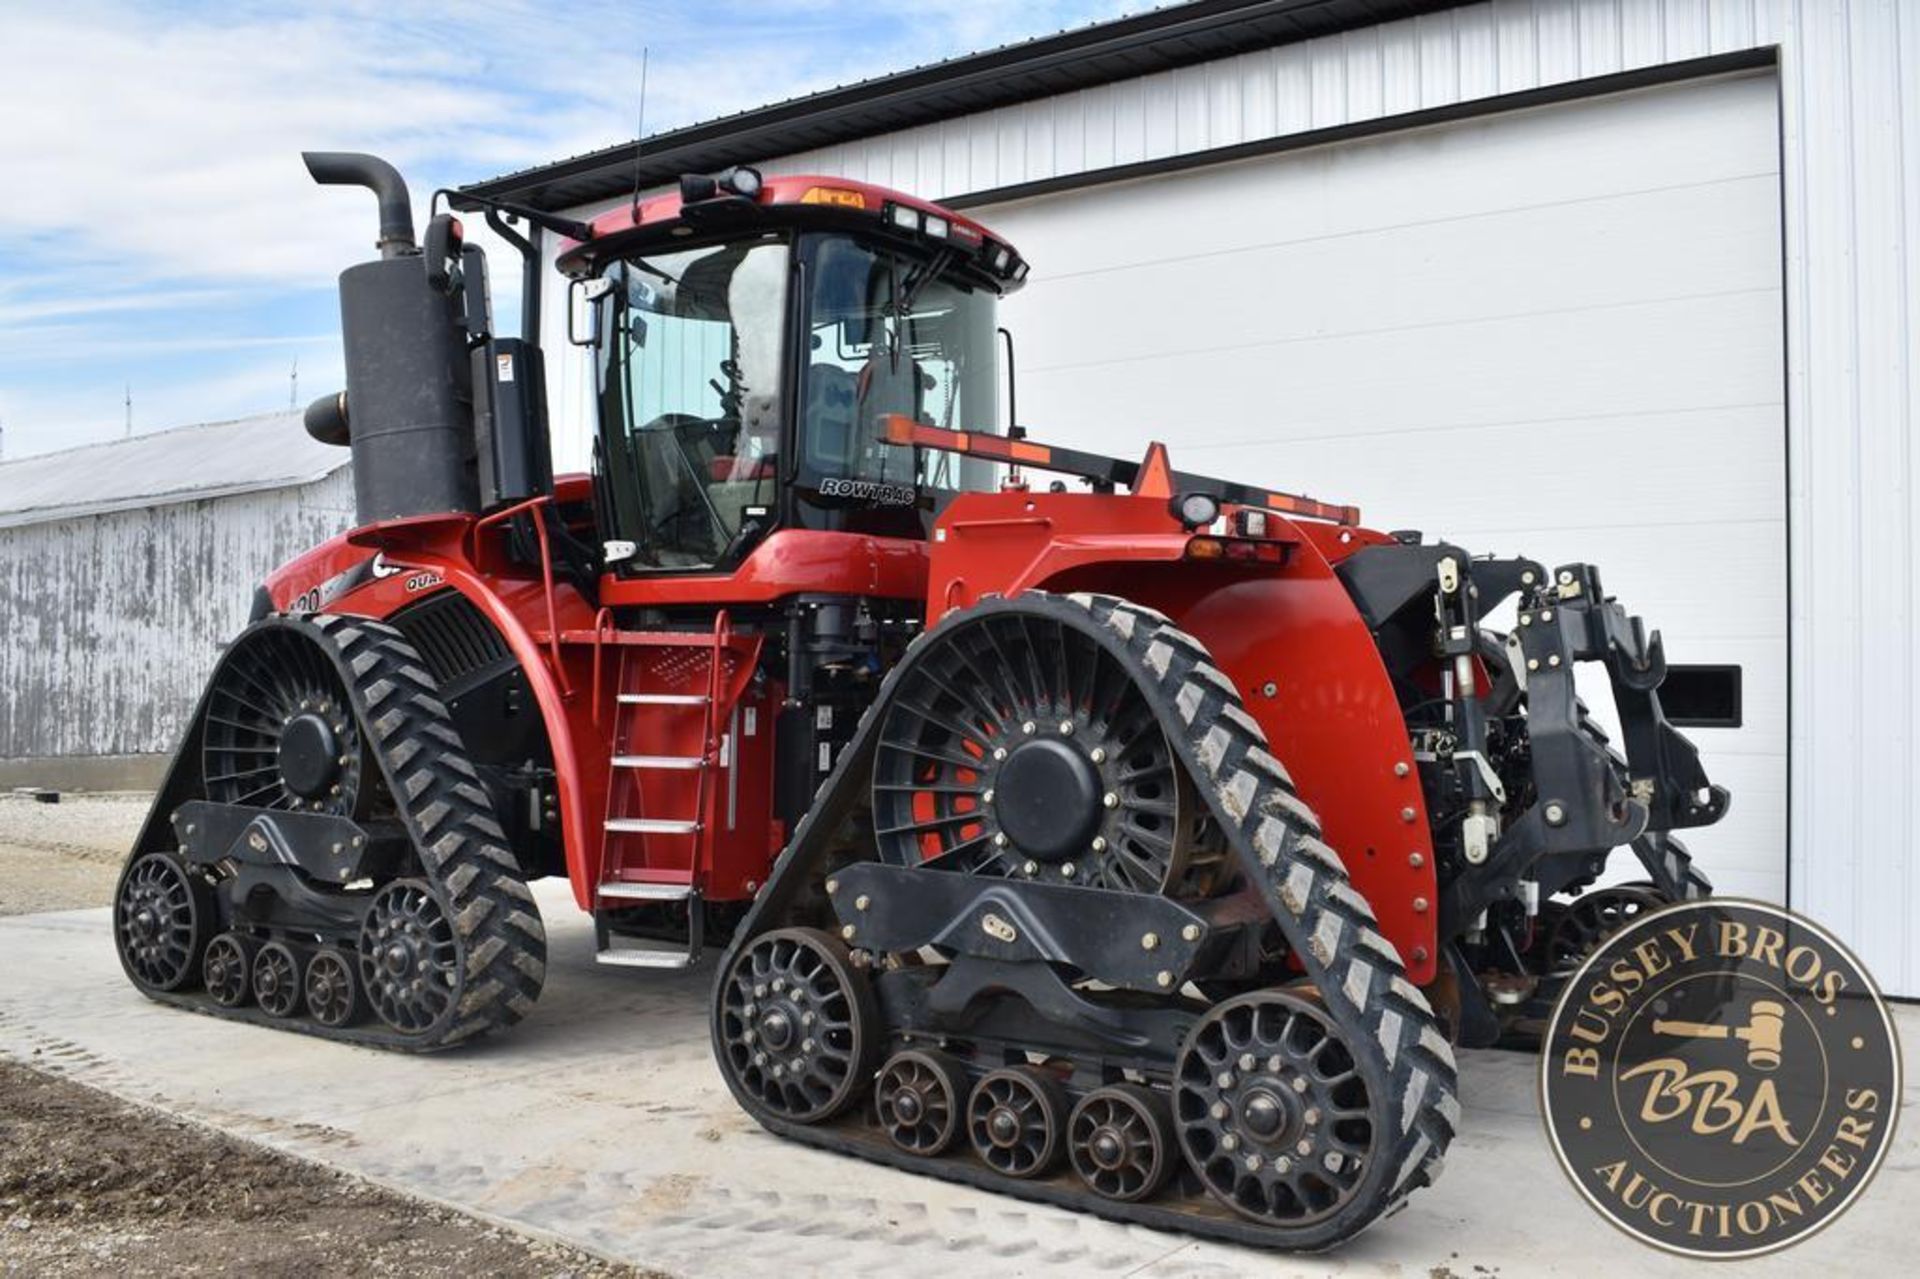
{"points": [[792, 200]]}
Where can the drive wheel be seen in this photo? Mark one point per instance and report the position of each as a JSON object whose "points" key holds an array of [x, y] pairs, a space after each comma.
{"points": [[917, 1097], [227, 971], [1120, 1139], [1272, 1110], [333, 997], [798, 1027], [1019, 746], [161, 914], [276, 980], [280, 729], [410, 957], [1016, 1119]]}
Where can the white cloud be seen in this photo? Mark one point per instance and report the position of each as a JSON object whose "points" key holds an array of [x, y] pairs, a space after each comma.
{"points": [[152, 149]]}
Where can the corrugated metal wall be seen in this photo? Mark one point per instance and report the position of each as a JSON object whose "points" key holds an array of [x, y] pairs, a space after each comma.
{"points": [[112, 622], [1850, 125]]}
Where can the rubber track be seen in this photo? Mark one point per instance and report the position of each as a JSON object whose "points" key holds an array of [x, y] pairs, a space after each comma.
{"points": [[1387, 1023], [461, 848]]}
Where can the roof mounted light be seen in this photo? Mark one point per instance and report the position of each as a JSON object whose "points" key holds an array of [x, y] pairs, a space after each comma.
{"points": [[739, 181], [1195, 510], [904, 216]]}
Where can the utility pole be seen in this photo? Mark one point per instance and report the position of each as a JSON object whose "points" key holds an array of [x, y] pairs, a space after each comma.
{"points": [[293, 388], [129, 434]]}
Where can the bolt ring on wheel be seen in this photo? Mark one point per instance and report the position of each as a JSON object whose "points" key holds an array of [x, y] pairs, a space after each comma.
{"points": [[1017, 746], [276, 980], [160, 915], [1594, 916], [227, 971], [917, 1097], [333, 997], [1272, 1110], [1016, 1120], [410, 957], [1120, 1139], [798, 1028]]}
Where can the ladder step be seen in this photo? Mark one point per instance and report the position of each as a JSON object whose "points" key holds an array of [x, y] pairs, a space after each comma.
{"points": [[627, 891], [650, 826], [681, 762], [645, 958], [663, 699]]}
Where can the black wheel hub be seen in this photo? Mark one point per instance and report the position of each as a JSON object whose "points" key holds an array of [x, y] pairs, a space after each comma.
{"points": [[1046, 797], [917, 1097], [1120, 1142], [1014, 1120], [159, 919], [309, 755], [280, 728], [409, 957], [1018, 745], [1271, 1109], [797, 1025]]}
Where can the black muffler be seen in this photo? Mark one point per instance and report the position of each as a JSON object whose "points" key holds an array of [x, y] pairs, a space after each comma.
{"points": [[409, 376]]}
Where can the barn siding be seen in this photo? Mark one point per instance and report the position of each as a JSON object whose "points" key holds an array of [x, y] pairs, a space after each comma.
{"points": [[112, 622]]}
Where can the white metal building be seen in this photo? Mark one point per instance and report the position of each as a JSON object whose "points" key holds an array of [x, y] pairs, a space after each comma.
{"points": [[125, 567], [1624, 281]]}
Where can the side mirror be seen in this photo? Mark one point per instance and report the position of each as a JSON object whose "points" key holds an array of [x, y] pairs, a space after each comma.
{"points": [[583, 310]]}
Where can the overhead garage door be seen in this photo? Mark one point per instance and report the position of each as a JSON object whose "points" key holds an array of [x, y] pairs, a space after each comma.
{"points": [[1555, 331]]}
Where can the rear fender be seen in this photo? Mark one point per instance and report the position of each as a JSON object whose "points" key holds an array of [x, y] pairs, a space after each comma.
{"points": [[1289, 635]]}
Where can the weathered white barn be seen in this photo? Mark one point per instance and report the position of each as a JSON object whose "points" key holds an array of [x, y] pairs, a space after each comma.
{"points": [[124, 567], [1628, 281]]}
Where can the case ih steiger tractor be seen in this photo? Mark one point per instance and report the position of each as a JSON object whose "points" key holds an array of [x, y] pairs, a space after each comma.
{"points": [[1133, 840]]}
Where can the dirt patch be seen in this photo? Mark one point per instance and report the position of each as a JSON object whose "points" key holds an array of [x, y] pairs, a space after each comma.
{"points": [[90, 1185], [64, 856]]}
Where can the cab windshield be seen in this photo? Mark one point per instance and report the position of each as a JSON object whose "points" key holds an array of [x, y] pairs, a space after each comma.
{"points": [[703, 398], [889, 334], [692, 390]]}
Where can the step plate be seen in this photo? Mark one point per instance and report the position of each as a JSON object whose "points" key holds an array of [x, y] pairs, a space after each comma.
{"points": [[645, 958]]}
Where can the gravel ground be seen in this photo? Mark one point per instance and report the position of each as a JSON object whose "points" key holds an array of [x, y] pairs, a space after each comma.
{"points": [[64, 856], [91, 1185]]}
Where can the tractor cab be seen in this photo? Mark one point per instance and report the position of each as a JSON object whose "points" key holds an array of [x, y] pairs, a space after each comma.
{"points": [[754, 336]]}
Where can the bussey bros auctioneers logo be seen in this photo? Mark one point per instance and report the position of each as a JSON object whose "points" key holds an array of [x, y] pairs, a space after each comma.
{"points": [[1720, 1078]]}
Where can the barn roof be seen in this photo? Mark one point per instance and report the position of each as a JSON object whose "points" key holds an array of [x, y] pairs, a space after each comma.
{"points": [[185, 464], [1173, 35]]}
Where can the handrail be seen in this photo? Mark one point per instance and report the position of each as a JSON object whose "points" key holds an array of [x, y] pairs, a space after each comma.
{"points": [[602, 626], [532, 505]]}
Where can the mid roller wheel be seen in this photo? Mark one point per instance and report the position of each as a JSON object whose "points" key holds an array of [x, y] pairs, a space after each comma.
{"points": [[1017, 1119], [227, 971], [798, 1029], [276, 980], [1272, 1110], [1120, 1139], [917, 1097], [333, 996], [162, 914]]}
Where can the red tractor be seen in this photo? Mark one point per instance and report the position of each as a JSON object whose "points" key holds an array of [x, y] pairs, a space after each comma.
{"points": [[1131, 840]]}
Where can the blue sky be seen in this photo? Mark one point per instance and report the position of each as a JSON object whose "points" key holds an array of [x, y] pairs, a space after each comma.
{"points": [[159, 232]]}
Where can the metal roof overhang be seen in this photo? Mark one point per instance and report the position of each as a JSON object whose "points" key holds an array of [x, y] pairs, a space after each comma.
{"points": [[1178, 35]]}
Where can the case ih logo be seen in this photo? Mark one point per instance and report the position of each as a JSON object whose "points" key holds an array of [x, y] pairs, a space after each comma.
{"points": [[1721, 1078]]}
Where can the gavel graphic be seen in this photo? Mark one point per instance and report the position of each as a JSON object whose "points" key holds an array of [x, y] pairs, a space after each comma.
{"points": [[1766, 1020]]}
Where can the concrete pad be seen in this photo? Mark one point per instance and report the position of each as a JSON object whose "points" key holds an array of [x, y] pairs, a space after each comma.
{"points": [[602, 1120]]}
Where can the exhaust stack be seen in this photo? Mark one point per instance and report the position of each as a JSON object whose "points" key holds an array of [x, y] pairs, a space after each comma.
{"points": [[409, 377]]}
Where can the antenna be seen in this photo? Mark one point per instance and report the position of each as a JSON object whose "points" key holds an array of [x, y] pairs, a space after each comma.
{"points": [[640, 133], [293, 387]]}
